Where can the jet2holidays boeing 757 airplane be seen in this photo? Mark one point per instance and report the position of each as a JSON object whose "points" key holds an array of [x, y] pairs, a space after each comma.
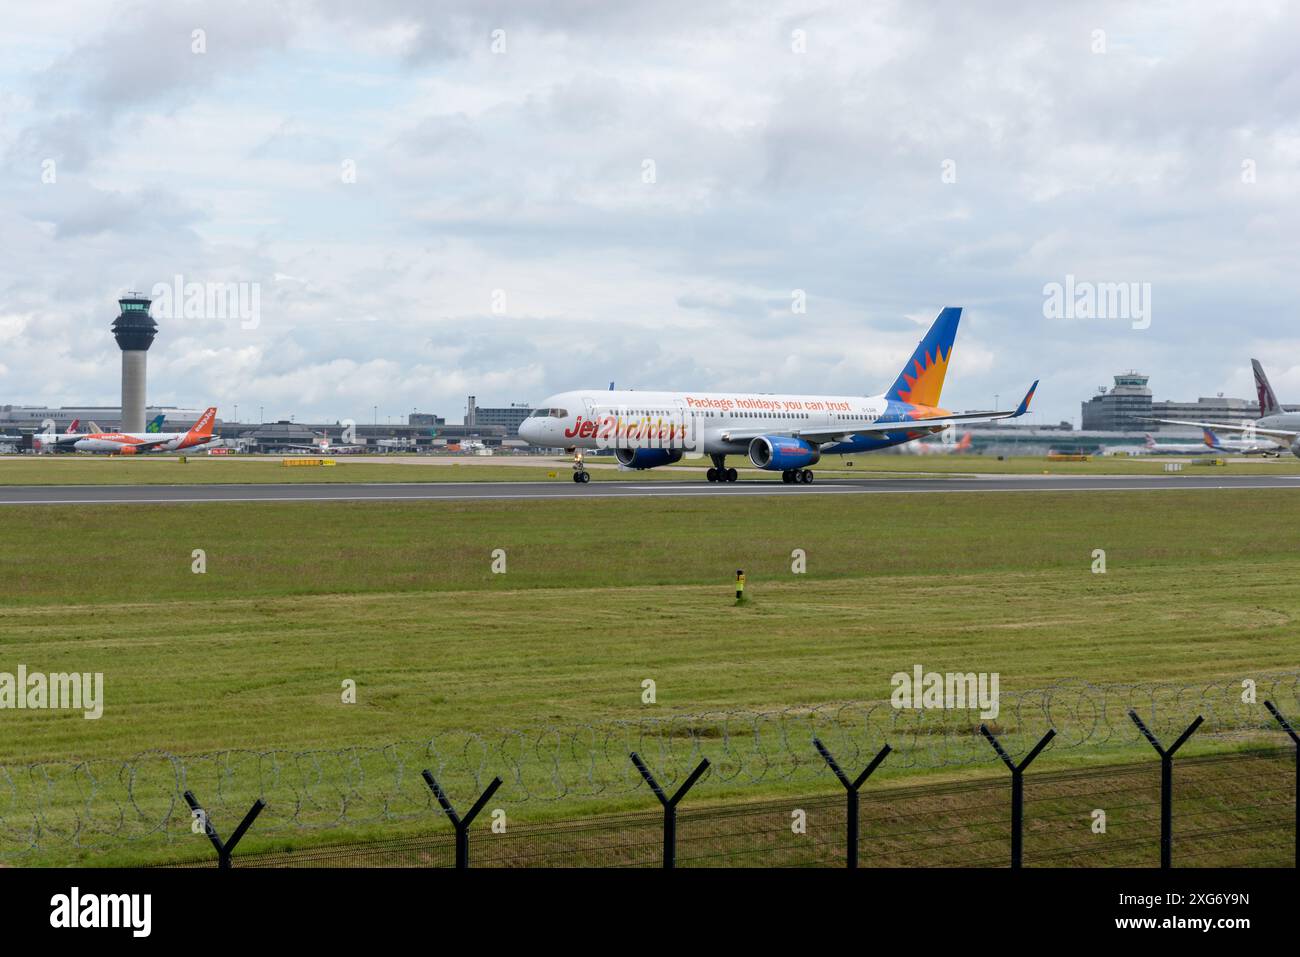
{"points": [[779, 433]]}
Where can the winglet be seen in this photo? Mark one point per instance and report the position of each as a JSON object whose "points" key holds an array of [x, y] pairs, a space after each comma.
{"points": [[1029, 397]]}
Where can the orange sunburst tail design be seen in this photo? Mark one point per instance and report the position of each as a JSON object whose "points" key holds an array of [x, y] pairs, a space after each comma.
{"points": [[921, 380]]}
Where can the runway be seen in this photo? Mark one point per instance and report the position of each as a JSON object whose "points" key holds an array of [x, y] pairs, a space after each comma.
{"points": [[499, 491]]}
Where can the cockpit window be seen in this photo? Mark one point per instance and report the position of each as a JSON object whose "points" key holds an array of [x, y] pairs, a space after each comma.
{"points": [[548, 414]]}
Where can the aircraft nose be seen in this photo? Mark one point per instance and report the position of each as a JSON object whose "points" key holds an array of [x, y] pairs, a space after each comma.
{"points": [[528, 431]]}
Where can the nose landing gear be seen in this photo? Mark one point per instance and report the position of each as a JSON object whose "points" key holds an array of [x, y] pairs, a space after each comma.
{"points": [[580, 473]]}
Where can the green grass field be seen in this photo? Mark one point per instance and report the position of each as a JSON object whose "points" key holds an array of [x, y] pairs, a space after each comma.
{"points": [[165, 470], [600, 595]]}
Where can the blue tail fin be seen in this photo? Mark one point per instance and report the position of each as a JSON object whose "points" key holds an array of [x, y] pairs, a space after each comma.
{"points": [[156, 423], [921, 380]]}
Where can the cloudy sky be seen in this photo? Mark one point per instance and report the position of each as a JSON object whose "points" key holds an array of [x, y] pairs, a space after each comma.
{"points": [[516, 198]]}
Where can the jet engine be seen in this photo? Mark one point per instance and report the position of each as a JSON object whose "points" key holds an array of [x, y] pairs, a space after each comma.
{"points": [[781, 453], [647, 458]]}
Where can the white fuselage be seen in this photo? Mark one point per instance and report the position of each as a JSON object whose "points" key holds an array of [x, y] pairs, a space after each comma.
{"points": [[117, 441], [699, 423]]}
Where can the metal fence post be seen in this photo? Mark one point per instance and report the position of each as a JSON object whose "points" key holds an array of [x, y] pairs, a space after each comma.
{"points": [[458, 823], [1286, 726], [227, 847], [669, 803], [1017, 789], [1166, 783], [851, 787]]}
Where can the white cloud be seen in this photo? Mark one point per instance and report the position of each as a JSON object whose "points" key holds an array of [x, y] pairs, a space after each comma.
{"points": [[522, 172]]}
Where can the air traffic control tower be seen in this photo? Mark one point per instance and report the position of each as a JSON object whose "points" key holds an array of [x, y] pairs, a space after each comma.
{"points": [[134, 330]]}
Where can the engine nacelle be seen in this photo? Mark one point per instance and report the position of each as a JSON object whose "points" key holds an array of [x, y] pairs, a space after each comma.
{"points": [[778, 453], [647, 458], [1295, 448]]}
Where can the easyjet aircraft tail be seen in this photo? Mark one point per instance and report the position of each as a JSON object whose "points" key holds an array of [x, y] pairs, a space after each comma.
{"points": [[921, 380], [203, 427]]}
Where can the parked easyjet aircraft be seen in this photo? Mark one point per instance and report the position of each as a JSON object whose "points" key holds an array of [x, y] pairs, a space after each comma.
{"points": [[133, 443], [947, 447], [779, 433]]}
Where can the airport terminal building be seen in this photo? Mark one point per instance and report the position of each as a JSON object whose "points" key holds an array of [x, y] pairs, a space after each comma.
{"points": [[1129, 407], [509, 418], [36, 418]]}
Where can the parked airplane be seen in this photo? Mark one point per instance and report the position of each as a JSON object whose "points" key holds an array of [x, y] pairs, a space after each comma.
{"points": [[325, 447], [779, 433], [54, 441], [196, 439], [1152, 447], [1240, 448], [947, 447], [1274, 423]]}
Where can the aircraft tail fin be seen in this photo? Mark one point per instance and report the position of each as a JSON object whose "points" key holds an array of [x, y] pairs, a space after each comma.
{"points": [[72, 426], [1151, 441], [156, 423], [1211, 438], [203, 427], [1268, 404], [921, 380]]}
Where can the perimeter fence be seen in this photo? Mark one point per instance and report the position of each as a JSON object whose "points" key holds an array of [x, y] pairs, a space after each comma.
{"points": [[67, 808]]}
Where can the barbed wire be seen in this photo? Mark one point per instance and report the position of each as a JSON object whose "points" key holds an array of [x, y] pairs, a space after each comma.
{"points": [[86, 805]]}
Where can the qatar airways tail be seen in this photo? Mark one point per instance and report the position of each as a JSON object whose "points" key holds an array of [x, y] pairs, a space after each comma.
{"points": [[780, 433]]}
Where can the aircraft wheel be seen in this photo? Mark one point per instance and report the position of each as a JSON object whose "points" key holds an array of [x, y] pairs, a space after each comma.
{"points": [[787, 477], [806, 477], [732, 475], [711, 475], [585, 477], [577, 476]]}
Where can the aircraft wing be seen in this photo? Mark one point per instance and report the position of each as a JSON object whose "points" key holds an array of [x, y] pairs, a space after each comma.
{"points": [[1280, 435], [824, 434]]}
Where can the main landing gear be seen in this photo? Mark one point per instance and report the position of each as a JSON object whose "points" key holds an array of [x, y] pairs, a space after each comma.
{"points": [[797, 476], [720, 472]]}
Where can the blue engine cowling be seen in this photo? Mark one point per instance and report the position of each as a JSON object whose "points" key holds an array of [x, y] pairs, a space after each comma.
{"points": [[647, 458], [777, 453]]}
